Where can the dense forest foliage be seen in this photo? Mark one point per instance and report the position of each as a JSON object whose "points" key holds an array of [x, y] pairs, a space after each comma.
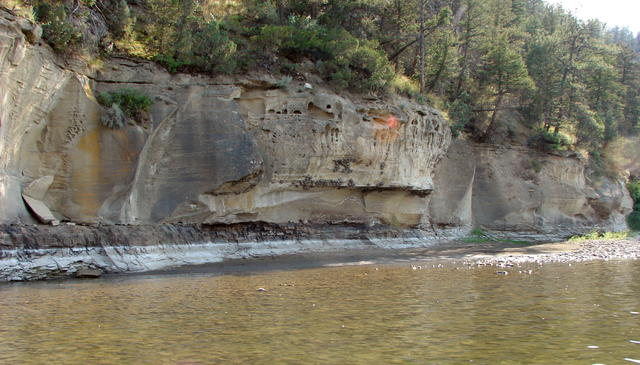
{"points": [[570, 83]]}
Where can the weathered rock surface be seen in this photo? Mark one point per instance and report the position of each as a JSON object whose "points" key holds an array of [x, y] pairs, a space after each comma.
{"points": [[519, 190], [215, 150]]}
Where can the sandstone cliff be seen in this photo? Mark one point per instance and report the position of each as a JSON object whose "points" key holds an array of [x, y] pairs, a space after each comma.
{"points": [[215, 150], [251, 149]]}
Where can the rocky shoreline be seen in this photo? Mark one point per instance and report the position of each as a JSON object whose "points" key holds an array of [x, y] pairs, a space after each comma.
{"points": [[565, 252], [37, 252]]}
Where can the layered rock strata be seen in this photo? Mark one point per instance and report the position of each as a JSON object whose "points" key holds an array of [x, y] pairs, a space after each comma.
{"points": [[33, 252]]}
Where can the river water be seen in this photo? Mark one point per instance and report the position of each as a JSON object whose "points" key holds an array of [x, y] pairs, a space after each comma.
{"points": [[370, 314]]}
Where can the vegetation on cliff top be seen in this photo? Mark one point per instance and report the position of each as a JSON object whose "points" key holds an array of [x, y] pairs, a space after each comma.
{"points": [[573, 83]]}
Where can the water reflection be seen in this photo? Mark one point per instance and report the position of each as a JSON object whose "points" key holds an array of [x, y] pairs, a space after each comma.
{"points": [[330, 315]]}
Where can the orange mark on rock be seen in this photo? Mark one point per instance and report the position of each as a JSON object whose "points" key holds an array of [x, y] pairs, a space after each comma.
{"points": [[388, 128], [392, 122]]}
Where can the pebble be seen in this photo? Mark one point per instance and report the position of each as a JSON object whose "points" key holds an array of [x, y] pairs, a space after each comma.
{"points": [[623, 249], [502, 272], [593, 347], [88, 273], [262, 289]]}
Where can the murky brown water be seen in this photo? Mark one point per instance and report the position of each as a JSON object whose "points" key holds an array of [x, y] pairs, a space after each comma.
{"points": [[354, 315]]}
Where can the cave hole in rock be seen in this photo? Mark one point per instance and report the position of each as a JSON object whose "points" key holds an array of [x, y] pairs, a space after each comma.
{"points": [[317, 113]]}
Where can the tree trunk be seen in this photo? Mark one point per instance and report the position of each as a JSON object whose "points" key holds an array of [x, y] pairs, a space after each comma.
{"points": [[402, 49], [492, 124]]}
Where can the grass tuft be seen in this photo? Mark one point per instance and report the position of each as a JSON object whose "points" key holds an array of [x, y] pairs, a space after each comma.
{"points": [[601, 236], [479, 236]]}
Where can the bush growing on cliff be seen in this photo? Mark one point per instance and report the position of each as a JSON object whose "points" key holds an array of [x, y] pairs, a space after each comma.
{"points": [[131, 101], [549, 141], [58, 31]]}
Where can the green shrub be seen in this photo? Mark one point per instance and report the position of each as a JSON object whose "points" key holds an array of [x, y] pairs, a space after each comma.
{"points": [[301, 37], [58, 31], [634, 190], [478, 235], [211, 49], [131, 101], [345, 61], [633, 220], [207, 49], [549, 141], [171, 64], [361, 68]]}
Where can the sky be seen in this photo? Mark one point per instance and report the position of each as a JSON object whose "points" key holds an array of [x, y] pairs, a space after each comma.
{"points": [[612, 12]]}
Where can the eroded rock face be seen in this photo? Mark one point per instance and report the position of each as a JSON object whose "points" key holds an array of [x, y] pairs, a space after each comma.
{"points": [[517, 189], [215, 150], [29, 85], [248, 151], [327, 158]]}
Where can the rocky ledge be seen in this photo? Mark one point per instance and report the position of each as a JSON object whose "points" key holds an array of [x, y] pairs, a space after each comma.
{"points": [[39, 252], [36, 252]]}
